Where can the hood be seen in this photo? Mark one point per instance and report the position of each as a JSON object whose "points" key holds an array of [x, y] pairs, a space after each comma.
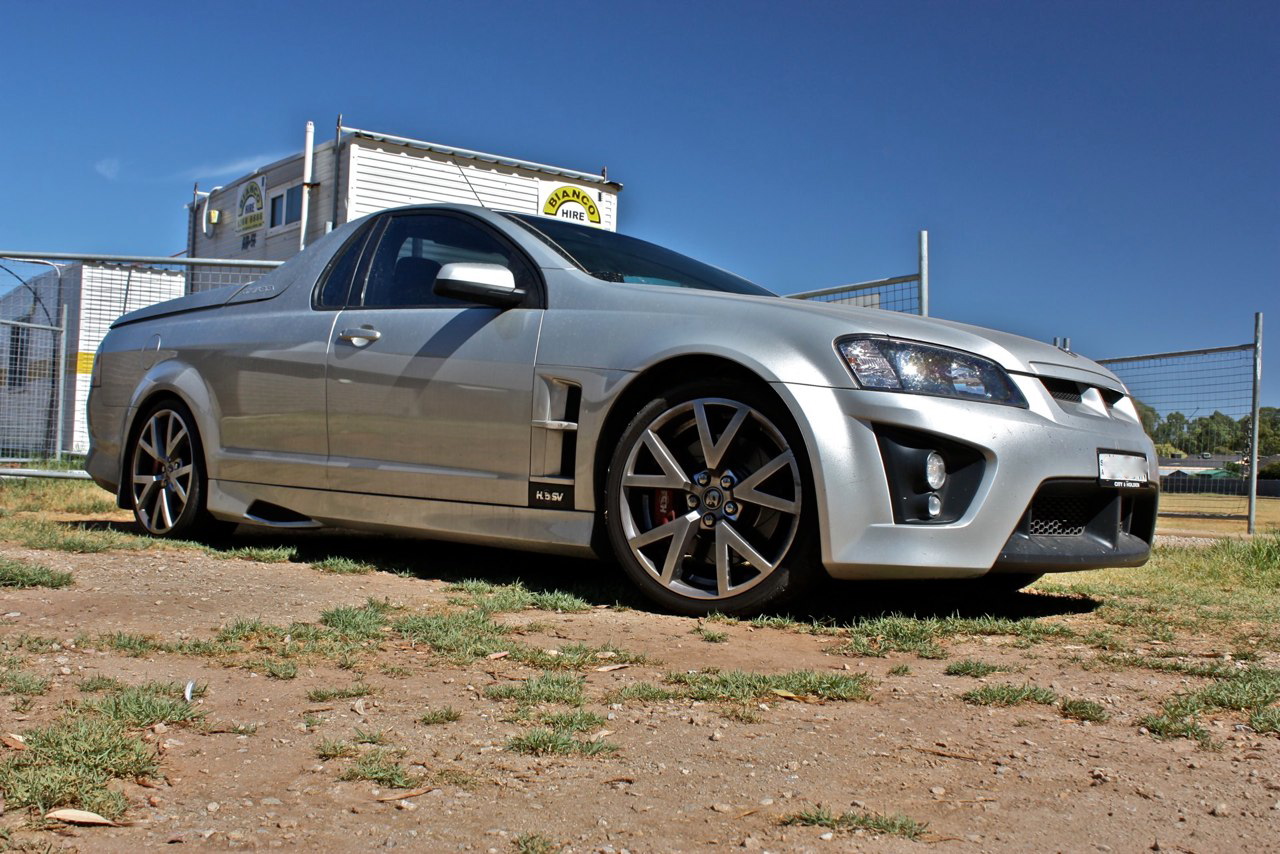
{"points": [[1014, 353]]}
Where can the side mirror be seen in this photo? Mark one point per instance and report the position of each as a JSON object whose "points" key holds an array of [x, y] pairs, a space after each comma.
{"points": [[488, 284]]}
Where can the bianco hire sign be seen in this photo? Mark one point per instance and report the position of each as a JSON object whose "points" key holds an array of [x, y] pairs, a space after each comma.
{"points": [[572, 203], [250, 204]]}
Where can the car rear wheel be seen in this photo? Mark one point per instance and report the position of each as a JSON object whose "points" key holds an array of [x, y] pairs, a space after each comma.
{"points": [[706, 501], [167, 474]]}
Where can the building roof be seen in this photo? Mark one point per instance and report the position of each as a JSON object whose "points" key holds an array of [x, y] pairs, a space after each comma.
{"points": [[482, 156]]}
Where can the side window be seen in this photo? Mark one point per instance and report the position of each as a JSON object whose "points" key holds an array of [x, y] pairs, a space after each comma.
{"points": [[336, 280], [413, 249]]}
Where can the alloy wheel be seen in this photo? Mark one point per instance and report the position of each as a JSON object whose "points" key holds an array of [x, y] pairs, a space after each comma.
{"points": [[164, 471], [711, 498]]}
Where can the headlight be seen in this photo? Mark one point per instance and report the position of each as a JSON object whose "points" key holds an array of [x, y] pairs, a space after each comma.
{"points": [[891, 365]]}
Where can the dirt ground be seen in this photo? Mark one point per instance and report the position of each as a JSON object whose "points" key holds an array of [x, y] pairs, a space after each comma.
{"points": [[687, 775]]}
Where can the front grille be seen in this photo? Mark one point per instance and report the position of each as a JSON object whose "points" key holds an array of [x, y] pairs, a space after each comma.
{"points": [[1064, 390], [1074, 523], [1060, 515]]}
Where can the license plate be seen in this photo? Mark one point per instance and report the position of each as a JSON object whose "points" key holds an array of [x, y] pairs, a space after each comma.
{"points": [[1123, 471]]}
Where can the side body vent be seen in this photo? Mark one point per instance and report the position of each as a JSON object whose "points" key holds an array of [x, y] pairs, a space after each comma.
{"points": [[554, 450]]}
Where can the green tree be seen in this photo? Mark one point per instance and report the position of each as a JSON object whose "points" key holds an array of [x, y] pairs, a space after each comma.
{"points": [[1172, 430], [1149, 417], [1216, 433]]}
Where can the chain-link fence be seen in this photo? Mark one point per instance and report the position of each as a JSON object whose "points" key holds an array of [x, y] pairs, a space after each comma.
{"points": [[1200, 407], [908, 294], [32, 357], [52, 319], [902, 293]]}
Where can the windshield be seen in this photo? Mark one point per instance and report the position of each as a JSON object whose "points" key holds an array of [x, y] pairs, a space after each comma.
{"points": [[616, 257]]}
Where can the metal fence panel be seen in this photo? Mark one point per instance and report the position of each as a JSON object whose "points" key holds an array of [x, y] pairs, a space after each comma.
{"points": [[1199, 407], [31, 400], [901, 293], [52, 320]]}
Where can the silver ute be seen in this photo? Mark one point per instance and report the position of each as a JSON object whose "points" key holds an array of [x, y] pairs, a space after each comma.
{"points": [[463, 374]]}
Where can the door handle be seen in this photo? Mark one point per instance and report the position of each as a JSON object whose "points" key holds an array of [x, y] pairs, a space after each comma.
{"points": [[361, 337]]}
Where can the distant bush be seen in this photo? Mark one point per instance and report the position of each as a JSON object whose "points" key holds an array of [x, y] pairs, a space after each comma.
{"points": [[1271, 472]]}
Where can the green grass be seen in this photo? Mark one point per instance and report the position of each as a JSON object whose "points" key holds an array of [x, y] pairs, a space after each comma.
{"points": [[1206, 669], [885, 825], [144, 705], [20, 574], [878, 636], [574, 656], [22, 684], [379, 766], [1007, 694], [545, 741], [257, 554], [535, 843], [1255, 691], [360, 622], [742, 686], [644, 692], [1266, 720], [132, 645], [973, 667], [336, 749], [39, 533], [343, 566], [561, 688], [495, 598], [95, 684], [709, 635], [325, 695], [1083, 710], [329, 748], [445, 715], [28, 643], [71, 763], [460, 635], [900, 670], [277, 669], [575, 721]]}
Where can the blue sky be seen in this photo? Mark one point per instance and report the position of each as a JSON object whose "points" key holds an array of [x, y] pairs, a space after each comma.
{"points": [[1104, 171]]}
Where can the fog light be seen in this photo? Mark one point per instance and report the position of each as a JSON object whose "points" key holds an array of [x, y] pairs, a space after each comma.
{"points": [[935, 470], [934, 504]]}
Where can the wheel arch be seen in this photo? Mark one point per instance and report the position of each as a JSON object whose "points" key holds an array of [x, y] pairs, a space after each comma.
{"points": [[167, 381], [651, 382]]}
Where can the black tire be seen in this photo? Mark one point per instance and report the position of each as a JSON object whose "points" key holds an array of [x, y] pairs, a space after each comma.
{"points": [[166, 476], [708, 501]]}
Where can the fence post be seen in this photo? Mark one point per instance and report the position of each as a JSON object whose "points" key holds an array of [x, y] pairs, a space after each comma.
{"points": [[924, 273], [1253, 420], [62, 383]]}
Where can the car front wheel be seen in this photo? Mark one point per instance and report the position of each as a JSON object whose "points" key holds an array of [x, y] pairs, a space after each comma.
{"points": [[706, 504]]}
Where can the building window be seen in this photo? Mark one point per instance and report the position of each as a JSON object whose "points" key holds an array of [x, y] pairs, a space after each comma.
{"points": [[286, 207]]}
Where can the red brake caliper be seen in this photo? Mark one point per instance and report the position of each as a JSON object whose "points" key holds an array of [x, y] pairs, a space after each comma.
{"points": [[663, 507]]}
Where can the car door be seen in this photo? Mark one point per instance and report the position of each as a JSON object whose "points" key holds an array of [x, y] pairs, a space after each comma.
{"points": [[266, 374], [430, 397]]}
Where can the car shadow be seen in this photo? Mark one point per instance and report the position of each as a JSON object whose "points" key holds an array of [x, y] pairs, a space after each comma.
{"points": [[846, 602], [603, 583]]}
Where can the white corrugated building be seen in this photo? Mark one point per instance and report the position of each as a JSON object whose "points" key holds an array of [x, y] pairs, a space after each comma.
{"points": [[94, 294], [262, 215]]}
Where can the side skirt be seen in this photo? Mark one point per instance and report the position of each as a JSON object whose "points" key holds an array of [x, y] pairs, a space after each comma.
{"points": [[566, 532]]}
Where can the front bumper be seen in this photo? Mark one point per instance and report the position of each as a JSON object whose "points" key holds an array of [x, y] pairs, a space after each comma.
{"points": [[1017, 452]]}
